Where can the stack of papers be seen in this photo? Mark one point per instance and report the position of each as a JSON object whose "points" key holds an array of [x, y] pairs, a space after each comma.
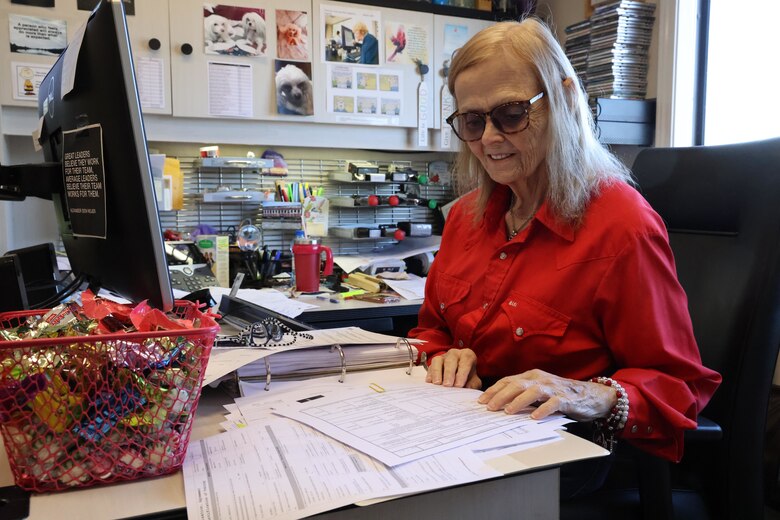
{"points": [[320, 445]]}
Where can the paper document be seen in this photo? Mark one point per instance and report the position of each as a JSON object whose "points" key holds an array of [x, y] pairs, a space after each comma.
{"points": [[268, 298], [282, 469], [409, 247], [223, 361], [411, 289], [404, 422]]}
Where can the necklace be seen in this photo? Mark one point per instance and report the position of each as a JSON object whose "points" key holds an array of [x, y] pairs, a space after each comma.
{"points": [[516, 228]]}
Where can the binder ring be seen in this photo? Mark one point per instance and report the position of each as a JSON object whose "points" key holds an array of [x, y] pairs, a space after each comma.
{"points": [[398, 344], [343, 361], [267, 374]]}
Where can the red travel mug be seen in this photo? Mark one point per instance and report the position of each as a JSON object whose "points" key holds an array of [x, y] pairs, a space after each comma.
{"points": [[308, 263]]}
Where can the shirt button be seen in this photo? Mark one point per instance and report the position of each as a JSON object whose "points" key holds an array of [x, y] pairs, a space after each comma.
{"points": [[519, 331], [502, 256], [484, 305], [649, 429], [441, 306], [634, 429], [460, 342]]}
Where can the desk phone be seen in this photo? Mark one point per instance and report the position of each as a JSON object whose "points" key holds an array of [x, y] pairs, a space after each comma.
{"points": [[189, 269]]}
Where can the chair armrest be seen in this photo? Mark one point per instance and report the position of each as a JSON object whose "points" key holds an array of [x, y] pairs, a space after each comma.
{"points": [[706, 430]]}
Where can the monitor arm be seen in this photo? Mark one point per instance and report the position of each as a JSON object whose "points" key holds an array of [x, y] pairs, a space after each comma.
{"points": [[40, 180]]}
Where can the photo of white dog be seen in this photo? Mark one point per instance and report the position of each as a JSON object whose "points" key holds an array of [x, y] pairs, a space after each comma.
{"points": [[233, 30], [217, 29], [254, 30], [294, 94]]}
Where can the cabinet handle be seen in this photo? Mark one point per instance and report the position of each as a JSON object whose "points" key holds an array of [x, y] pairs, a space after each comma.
{"points": [[154, 44], [239, 197], [186, 49]]}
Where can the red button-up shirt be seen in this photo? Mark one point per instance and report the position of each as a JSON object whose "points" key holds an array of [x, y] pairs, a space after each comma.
{"points": [[601, 299]]}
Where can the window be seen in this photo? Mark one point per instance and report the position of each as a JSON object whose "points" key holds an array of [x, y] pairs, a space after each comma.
{"points": [[742, 101]]}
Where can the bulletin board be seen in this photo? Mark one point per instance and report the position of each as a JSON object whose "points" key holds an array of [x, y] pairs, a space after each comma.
{"points": [[235, 54], [383, 93]]}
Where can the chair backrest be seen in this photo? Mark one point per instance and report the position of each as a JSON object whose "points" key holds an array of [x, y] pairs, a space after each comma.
{"points": [[721, 206]]}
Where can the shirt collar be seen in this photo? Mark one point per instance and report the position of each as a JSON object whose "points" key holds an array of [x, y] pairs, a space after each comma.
{"points": [[497, 206]]}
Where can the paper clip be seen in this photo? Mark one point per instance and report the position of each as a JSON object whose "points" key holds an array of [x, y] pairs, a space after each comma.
{"points": [[376, 388]]}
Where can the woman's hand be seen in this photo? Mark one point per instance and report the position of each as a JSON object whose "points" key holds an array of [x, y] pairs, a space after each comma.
{"points": [[458, 367], [580, 400]]}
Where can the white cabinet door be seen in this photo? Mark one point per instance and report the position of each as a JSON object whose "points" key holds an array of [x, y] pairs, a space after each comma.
{"points": [[208, 83], [150, 41]]}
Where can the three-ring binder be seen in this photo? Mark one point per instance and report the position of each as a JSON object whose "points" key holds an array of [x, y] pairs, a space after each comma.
{"points": [[341, 368]]}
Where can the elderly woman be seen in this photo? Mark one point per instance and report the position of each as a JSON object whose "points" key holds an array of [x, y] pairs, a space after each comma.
{"points": [[369, 45], [555, 281]]}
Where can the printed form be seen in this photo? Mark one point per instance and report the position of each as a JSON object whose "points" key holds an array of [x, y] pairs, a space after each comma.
{"points": [[405, 422], [283, 469]]}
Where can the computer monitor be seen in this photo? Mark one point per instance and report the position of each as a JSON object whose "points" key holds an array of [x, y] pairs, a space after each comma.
{"points": [[107, 209], [347, 38]]}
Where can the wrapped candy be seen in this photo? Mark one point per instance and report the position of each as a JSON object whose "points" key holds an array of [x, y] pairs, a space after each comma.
{"points": [[107, 409]]}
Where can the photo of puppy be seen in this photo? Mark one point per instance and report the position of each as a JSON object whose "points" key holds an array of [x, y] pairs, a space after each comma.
{"points": [[217, 29], [254, 30], [294, 94], [292, 35]]}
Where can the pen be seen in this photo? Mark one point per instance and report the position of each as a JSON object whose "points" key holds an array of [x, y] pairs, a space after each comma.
{"points": [[331, 299]]}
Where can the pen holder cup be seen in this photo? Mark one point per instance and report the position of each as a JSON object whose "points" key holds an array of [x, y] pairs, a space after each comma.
{"points": [[85, 410], [309, 264]]}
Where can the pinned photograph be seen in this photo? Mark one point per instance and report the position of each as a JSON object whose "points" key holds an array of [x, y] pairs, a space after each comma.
{"points": [[292, 35], [351, 36], [234, 31], [294, 95]]}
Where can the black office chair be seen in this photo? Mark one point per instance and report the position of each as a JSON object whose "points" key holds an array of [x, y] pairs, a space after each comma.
{"points": [[721, 205]]}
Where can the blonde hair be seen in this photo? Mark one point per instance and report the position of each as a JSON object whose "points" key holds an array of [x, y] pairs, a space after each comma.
{"points": [[360, 27], [577, 164]]}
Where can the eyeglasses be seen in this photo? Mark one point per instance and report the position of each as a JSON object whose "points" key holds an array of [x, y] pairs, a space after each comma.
{"points": [[509, 118]]}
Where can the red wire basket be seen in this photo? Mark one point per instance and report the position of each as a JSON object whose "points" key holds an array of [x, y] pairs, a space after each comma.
{"points": [[85, 410]]}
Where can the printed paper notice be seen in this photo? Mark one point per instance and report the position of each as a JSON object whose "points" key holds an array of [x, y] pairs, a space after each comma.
{"points": [[83, 173], [230, 90], [33, 35], [27, 79], [151, 83]]}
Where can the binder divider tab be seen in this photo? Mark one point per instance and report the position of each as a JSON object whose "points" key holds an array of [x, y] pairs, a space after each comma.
{"points": [[343, 375], [399, 343]]}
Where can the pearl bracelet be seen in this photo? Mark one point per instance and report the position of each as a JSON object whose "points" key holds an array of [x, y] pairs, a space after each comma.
{"points": [[606, 429]]}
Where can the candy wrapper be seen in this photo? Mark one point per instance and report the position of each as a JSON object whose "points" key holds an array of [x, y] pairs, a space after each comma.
{"points": [[80, 406]]}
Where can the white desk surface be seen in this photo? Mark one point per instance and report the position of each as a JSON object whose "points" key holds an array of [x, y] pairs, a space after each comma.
{"points": [[167, 493]]}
